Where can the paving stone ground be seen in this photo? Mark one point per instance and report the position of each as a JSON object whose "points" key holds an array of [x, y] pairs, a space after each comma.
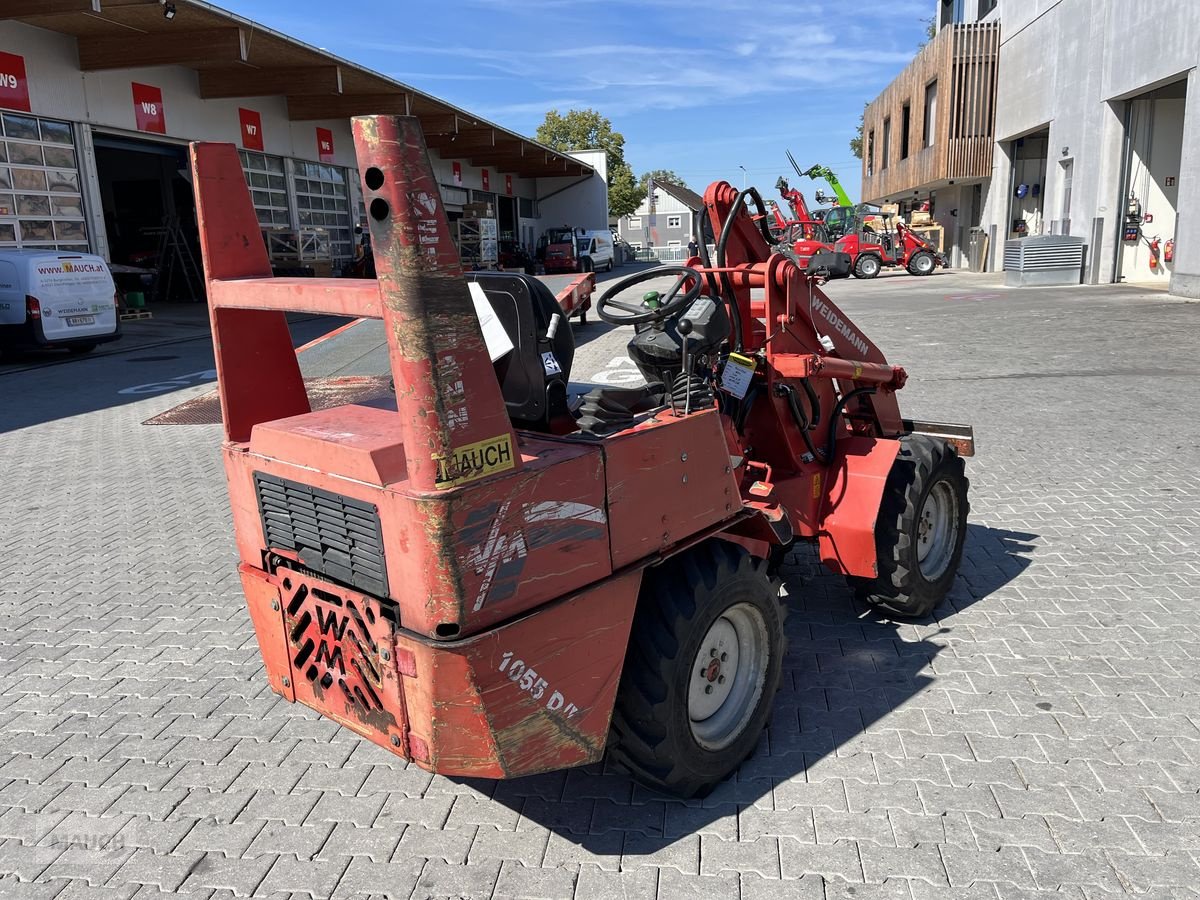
{"points": [[1038, 736]]}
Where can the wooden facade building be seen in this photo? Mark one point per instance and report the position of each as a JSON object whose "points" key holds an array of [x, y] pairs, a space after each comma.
{"points": [[933, 126]]}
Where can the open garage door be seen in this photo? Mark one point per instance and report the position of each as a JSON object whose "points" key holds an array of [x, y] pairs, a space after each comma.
{"points": [[1154, 141]]}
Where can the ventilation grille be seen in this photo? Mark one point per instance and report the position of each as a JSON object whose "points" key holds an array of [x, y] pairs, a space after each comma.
{"points": [[337, 536], [332, 645]]}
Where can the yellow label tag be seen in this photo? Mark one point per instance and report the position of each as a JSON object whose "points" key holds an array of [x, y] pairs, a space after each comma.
{"points": [[474, 461], [857, 372], [816, 485]]}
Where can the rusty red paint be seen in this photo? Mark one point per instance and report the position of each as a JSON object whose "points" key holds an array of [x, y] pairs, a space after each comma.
{"points": [[495, 639]]}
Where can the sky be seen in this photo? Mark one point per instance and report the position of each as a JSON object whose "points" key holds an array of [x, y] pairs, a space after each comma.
{"points": [[701, 88]]}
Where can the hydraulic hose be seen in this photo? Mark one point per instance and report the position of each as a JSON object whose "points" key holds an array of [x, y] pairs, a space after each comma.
{"points": [[703, 230], [825, 456], [787, 392], [814, 402], [837, 415]]}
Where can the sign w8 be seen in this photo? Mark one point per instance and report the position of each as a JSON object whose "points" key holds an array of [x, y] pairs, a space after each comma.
{"points": [[148, 109]]}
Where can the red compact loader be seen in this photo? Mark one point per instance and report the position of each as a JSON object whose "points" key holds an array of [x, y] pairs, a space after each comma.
{"points": [[491, 582]]}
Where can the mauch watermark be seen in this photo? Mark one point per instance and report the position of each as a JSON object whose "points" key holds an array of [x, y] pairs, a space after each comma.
{"points": [[97, 842]]}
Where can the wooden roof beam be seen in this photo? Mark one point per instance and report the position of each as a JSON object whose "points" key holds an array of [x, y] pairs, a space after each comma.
{"points": [[345, 106], [441, 124], [464, 143], [168, 48], [28, 9], [243, 81]]}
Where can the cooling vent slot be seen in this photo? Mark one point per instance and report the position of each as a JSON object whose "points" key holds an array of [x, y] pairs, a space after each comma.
{"points": [[337, 536]]}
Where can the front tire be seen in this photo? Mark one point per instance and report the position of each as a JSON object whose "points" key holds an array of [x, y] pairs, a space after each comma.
{"points": [[920, 530], [921, 263], [704, 662], [866, 266]]}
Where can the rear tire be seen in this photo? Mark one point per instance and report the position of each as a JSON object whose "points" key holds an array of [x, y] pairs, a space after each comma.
{"points": [[704, 662], [920, 530], [80, 349], [921, 263], [866, 266]]}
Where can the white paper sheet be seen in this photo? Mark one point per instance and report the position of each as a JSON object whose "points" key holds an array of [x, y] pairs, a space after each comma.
{"points": [[497, 339]]}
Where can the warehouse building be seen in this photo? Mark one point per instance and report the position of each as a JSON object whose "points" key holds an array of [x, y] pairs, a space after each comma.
{"points": [[99, 98], [1054, 117]]}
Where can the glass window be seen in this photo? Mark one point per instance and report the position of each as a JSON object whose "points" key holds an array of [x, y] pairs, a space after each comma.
{"points": [[929, 125], [29, 179], [63, 157], [37, 230], [269, 191], [322, 202], [674, 221], [33, 205], [25, 154], [23, 127], [70, 231], [44, 184], [56, 132], [66, 206], [67, 182]]}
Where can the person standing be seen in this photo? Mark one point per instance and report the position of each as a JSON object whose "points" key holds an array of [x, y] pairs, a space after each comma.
{"points": [[692, 248]]}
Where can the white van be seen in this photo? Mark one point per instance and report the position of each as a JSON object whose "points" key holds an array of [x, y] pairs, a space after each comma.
{"points": [[50, 298], [598, 250]]}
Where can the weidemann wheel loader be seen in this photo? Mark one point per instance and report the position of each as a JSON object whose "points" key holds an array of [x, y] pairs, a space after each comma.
{"points": [[490, 580]]}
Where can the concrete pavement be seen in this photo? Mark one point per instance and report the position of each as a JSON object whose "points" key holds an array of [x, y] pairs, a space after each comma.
{"points": [[1039, 736]]}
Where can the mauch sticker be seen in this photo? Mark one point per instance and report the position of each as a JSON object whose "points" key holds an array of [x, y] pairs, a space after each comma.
{"points": [[550, 364], [474, 461]]}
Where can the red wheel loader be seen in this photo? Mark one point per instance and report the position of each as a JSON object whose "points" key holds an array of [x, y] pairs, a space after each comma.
{"points": [[490, 582]]}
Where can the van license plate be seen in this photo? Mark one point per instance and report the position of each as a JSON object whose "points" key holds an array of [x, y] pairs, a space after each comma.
{"points": [[81, 320]]}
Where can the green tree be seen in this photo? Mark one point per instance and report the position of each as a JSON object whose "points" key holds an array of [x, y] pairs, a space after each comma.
{"points": [[931, 30], [856, 141], [660, 176], [586, 129]]}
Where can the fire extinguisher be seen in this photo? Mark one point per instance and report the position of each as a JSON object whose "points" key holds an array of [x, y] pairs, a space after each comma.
{"points": [[1169, 251], [1154, 255]]}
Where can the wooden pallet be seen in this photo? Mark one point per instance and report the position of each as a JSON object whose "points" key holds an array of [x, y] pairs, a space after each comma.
{"points": [[129, 314]]}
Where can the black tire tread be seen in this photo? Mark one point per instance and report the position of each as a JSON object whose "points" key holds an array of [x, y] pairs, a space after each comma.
{"points": [[912, 269], [898, 586], [672, 595], [858, 266]]}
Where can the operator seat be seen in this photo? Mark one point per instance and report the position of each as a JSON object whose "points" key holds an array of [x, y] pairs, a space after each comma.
{"points": [[533, 376]]}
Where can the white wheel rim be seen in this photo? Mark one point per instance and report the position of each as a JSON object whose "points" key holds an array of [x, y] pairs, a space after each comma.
{"points": [[937, 530], [924, 263], [727, 676], [869, 267]]}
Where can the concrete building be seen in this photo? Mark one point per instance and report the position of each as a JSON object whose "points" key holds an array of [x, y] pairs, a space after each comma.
{"points": [[1096, 133], [98, 99], [670, 227]]}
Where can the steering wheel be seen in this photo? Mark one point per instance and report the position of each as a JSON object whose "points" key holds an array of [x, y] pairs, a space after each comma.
{"points": [[671, 302]]}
